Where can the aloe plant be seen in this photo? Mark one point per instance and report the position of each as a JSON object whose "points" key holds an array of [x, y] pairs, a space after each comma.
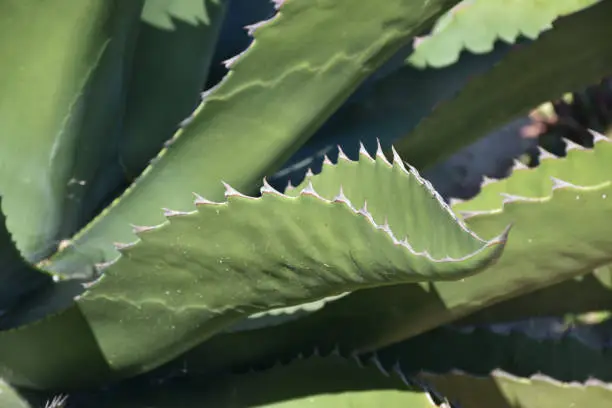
{"points": [[181, 228]]}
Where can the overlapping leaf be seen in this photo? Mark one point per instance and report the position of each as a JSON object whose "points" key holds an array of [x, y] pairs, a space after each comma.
{"points": [[542, 252], [17, 278], [329, 382], [53, 50], [171, 62], [9, 398], [475, 25], [249, 108], [200, 271], [491, 100], [480, 367]]}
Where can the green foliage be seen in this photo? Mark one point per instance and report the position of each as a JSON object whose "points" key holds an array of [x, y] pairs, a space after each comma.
{"points": [[151, 254]]}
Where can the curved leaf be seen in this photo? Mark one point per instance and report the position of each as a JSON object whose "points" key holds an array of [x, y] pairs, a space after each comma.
{"points": [[201, 271], [591, 292], [326, 382], [534, 258], [509, 369], [250, 104], [490, 100], [9, 398], [17, 277], [506, 391], [171, 62], [389, 108], [475, 26], [40, 107]]}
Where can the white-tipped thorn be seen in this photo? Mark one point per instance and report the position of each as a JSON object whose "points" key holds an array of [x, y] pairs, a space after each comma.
{"points": [[171, 141], [173, 213], [326, 161], [182, 124], [278, 4], [397, 158], [342, 155], [598, 137], [309, 173], [119, 246], [545, 154], [268, 189], [570, 145], [251, 28], [229, 63], [380, 154], [290, 186], [364, 152], [341, 198], [364, 211], [519, 165], [510, 198], [309, 190], [199, 200], [138, 229], [558, 183], [231, 191], [386, 227], [487, 180]]}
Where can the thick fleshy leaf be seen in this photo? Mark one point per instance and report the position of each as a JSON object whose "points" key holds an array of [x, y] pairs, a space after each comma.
{"points": [[587, 293], [534, 258], [491, 100], [200, 271], [171, 62], [475, 26], [249, 108], [387, 109], [41, 107], [17, 278], [510, 368], [326, 382], [96, 170], [506, 391], [9, 398]]}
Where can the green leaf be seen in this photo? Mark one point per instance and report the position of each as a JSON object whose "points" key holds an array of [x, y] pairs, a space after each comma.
{"points": [[491, 100], [476, 25], [40, 107], [175, 46], [326, 382], [95, 169], [9, 398], [245, 128], [541, 252], [506, 391], [17, 277], [510, 368], [200, 271], [587, 293]]}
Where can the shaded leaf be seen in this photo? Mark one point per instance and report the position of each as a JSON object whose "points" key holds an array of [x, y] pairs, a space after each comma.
{"points": [[332, 382], [509, 369], [249, 108], [587, 293], [17, 277], [171, 62], [490, 100], [475, 25], [40, 108], [200, 271], [535, 257]]}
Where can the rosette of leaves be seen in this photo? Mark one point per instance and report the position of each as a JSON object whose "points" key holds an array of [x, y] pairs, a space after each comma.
{"points": [[145, 258]]}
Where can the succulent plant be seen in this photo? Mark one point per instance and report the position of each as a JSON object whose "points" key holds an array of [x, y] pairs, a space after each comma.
{"points": [[175, 232]]}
